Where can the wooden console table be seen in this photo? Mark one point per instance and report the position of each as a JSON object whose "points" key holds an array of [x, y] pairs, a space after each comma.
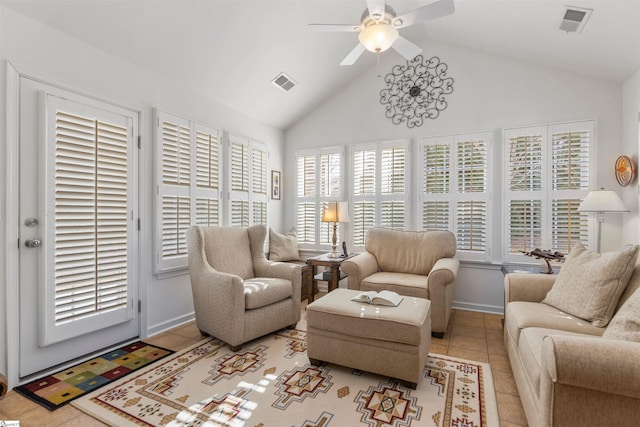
{"points": [[324, 261]]}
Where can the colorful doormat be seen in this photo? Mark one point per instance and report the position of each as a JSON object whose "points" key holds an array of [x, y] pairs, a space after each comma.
{"points": [[61, 388], [271, 383]]}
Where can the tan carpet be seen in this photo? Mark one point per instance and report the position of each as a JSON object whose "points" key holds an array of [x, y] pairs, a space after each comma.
{"points": [[271, 383]]}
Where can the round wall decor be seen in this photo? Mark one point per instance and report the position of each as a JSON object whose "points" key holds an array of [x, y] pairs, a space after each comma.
{"points": [[416, 91], [625, 170]]}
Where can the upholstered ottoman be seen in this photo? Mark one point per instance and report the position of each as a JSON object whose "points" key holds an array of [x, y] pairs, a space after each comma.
{"points": [[391, 341]]}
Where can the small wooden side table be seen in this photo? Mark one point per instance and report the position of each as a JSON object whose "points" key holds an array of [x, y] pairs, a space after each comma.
{"points": [[324, 261]]}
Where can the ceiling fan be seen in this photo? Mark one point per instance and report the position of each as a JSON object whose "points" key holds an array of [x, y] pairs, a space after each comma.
{"points": [[378, 28]]}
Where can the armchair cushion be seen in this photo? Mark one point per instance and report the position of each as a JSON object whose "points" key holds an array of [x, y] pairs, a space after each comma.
{"points": [[283, 247], [263, 291], [590, 284], [406, 284]]}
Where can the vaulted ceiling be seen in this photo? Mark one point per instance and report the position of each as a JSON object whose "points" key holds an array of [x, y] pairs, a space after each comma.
{"points": [[230, 50]]}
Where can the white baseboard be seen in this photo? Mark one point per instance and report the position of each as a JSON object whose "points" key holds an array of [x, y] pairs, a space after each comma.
{"points": [[169, 324], [484, 308]]}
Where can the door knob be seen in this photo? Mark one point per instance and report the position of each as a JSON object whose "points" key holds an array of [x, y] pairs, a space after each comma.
{"points": [[32, 243]]}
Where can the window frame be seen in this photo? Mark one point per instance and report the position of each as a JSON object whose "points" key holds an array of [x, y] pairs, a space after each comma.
{"points": [[191, 192], [452, 196], [317, 200], [378, 198], [547, 194]]}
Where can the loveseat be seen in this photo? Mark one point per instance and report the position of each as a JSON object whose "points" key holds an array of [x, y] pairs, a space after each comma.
{"points": [[412, 263], [568, 371]]}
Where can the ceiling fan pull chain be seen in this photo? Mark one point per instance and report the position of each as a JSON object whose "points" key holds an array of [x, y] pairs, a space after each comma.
{"points": [[379, 73]]}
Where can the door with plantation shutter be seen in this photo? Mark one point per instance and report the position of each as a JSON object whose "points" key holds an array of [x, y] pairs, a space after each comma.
{"points": [[78, 235]]}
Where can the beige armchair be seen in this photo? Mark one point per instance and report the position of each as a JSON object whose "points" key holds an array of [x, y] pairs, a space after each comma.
{"points": [[239, 295], [413, 263]]}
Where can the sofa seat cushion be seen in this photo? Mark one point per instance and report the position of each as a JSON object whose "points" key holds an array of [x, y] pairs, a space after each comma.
{"points": [[335, 312], [403, 283], [524, 314], [261, 291], [530, 351]]}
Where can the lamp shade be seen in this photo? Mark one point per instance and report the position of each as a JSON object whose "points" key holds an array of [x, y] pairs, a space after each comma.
{"points": [[378, 36], [602, 201], [335, 212]]}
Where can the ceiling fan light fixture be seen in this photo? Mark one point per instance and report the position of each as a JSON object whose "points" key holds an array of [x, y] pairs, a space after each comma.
{"points": [[378, 36]]}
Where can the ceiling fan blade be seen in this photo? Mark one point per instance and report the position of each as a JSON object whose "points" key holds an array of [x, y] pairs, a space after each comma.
{"points": [[437, 9], [405, 48], [334, 27], [376, 9], [353, 55]]}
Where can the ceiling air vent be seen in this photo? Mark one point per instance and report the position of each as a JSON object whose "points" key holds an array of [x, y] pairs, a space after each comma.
{"points": [[574, 19], [284, 82]]}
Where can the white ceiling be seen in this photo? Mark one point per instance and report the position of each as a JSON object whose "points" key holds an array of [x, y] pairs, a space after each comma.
{"points": [[230, 50]]}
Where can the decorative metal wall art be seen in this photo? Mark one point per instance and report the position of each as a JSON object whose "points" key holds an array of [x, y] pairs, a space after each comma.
{"points": [[416, 91]]}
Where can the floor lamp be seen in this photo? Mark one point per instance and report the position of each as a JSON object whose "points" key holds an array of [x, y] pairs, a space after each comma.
{"points": [[601, 201], [335, 212]]}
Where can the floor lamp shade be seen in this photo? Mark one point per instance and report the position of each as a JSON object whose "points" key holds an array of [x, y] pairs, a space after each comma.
{"points": [[601, 201]]}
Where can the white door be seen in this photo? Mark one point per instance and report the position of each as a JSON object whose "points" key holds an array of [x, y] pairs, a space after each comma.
{"points": [[78, 226]]}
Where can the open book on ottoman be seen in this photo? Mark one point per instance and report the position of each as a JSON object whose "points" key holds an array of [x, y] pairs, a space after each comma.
{"points": [[389, 298]]}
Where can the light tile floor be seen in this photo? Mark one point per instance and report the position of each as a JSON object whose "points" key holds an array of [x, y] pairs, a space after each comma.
{"points": [[471, 335]]}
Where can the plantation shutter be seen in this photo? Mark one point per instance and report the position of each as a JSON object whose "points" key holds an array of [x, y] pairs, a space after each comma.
{"points": [[259, 184], [392, 188], [318, 181], [549, 172], [174, 145], [207, 189], [472, 184], [380, 196], [455, 191], [239, 195], [435, 210], [306, 208], [188, 185], [364, 192], [91, 224], [570, 183], [248, 182]]}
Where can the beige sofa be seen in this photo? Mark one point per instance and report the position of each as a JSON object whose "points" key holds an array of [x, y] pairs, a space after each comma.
{"points": [[413, 263], [567, 374]]}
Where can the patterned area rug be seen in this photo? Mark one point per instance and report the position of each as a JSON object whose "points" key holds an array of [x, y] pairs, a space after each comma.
{"points": [[271, 383], [62, 387]]}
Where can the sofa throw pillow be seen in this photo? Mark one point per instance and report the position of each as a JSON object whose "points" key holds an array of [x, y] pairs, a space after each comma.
{"points": [[589, 285], [625, 324], [283, 247]]}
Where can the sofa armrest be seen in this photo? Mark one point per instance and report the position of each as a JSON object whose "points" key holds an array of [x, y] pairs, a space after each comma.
{"points": [[593, 363], [359, 267], [527, 287]]}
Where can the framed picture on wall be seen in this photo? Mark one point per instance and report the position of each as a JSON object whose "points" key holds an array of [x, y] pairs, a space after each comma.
{"points": [[275, 185]]}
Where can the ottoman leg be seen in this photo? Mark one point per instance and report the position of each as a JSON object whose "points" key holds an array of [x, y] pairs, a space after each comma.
{"points": [[410, 385]]}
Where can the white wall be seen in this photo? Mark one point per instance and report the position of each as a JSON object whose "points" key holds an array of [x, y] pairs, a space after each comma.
{"points": [[490, 93], [631, 143], [36, 48]]}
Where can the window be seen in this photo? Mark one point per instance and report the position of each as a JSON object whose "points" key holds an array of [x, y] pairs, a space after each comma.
{"points": [[319, 180], [548, 171], [188, 185], [248, 182], [379, 193], [455, 192]]}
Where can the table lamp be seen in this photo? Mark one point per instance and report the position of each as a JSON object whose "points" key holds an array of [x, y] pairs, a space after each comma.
{"points": [[601, 201], [335, 212]]}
